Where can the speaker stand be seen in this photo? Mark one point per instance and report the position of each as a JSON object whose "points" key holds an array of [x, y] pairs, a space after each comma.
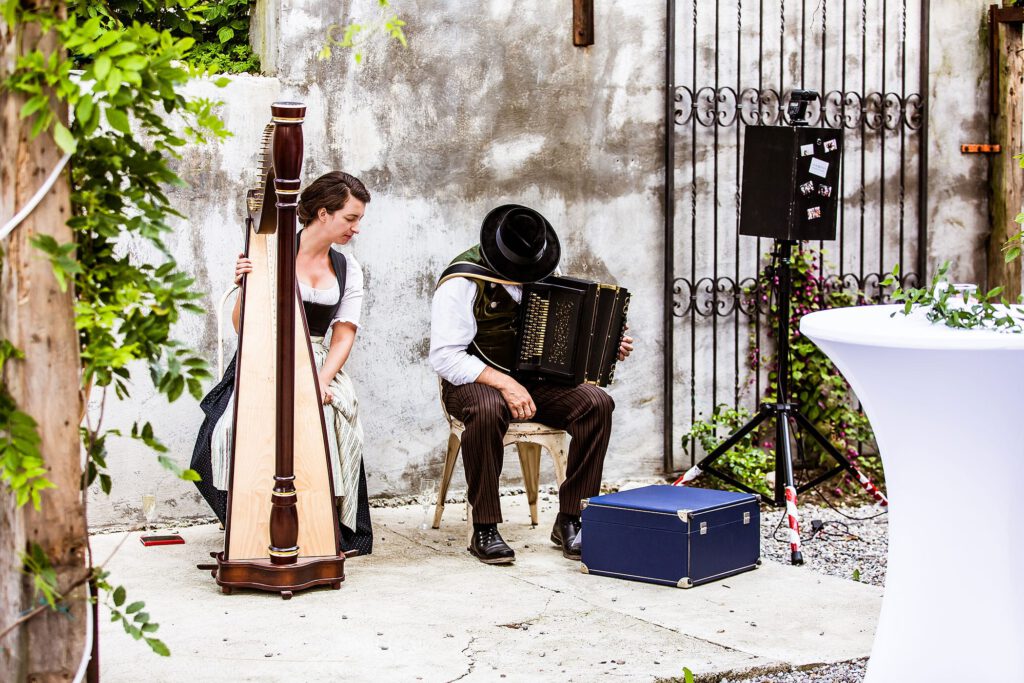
{"points": [[782, 411]]}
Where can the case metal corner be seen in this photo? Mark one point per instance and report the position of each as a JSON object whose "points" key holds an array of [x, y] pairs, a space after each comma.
{"points": [[684, 583], [685, 515], [583, 569], [584, 502]]}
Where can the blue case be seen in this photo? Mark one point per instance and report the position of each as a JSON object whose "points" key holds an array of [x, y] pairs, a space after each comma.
{"points": [[672, 535]]}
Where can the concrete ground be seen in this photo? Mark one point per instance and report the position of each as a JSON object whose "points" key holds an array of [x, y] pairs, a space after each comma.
{"points": [[422, 609]]}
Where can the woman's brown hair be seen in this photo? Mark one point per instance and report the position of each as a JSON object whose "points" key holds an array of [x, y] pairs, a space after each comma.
{"points": [[330, 191]]}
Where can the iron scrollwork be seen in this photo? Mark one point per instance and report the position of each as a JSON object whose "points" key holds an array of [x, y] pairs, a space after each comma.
{"points": [[725, 107]]}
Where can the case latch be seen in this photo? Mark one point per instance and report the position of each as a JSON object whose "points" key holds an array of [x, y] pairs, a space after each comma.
{"points": [[703, 528], [746, 518]]}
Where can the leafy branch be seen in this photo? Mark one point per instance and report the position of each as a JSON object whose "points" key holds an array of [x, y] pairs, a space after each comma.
{"points": [[51, 596], [119, 80], [960, 310], [21, 462], [354, 35]]}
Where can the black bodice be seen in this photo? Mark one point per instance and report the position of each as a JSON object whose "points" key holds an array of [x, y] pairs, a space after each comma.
{"points": [[319, 316]]}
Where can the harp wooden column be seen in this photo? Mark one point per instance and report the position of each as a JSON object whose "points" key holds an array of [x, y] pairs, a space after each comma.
{"points": [[282, 532], [284, 518]]}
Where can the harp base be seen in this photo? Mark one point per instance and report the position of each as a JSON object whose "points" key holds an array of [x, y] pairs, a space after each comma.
{"points": [[307, 572]]}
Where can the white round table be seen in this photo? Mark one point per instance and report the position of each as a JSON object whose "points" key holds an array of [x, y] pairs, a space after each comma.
{"points": [[947, 409]]}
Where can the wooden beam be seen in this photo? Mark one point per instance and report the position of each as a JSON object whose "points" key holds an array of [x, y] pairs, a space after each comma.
{"points": [[1006, 192], [38, 318], [582, 22]]}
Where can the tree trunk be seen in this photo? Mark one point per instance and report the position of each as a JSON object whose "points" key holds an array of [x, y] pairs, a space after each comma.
{"points": [[38, 319]]}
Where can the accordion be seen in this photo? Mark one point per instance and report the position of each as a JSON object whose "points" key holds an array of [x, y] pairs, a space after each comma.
{"points": [[569, 331]]}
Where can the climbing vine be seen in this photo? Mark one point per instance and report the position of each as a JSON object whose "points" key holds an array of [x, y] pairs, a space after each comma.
{"points": [[120, 79]]}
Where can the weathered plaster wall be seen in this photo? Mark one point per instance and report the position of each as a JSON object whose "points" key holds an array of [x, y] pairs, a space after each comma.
{"points": [[490, 104], [958, 100]]}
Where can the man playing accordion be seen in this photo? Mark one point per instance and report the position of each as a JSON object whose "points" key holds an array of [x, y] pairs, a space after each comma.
{"points": [[472, 347]]}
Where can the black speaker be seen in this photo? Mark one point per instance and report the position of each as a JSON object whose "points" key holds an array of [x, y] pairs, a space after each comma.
{"points": [[790, 182]]}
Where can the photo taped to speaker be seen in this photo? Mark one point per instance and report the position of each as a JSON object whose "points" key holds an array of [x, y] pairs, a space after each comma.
{"points": [[819, 168]]}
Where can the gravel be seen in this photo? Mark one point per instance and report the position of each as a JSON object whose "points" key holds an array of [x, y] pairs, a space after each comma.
{"points": [[844, 672], [848, 548], [853, 549]]}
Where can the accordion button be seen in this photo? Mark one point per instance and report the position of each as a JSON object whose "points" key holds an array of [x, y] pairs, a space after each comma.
{"points": [[494, 304]]}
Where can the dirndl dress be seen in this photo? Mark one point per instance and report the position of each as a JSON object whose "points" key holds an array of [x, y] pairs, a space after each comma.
{"points": [[211, 456]]}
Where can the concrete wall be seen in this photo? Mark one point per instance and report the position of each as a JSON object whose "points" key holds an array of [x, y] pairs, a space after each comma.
{"points": [[491, 103], [958, 99]]}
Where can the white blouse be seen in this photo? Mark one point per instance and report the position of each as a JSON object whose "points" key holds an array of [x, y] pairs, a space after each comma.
{"points": [[351, 302], [453, 327]]}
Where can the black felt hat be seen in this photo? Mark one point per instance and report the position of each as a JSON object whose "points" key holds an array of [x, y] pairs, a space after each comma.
{"points": [[519, 244]]}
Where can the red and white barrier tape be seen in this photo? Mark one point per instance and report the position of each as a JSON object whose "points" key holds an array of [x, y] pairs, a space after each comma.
{"points": [[792, 519], [870, 487], [688, 476]]}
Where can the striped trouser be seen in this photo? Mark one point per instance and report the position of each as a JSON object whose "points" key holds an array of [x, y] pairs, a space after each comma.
{"points": [[585, 412]]}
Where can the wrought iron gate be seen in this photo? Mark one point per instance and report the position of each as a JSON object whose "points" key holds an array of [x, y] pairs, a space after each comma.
{"points": [[733, 65]]}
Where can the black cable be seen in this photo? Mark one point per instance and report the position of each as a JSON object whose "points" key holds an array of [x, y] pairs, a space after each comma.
{"points": [[843, 514]]}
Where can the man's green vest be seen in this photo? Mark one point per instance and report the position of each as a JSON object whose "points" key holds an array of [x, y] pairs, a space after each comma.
{"points": [[495, 310]]}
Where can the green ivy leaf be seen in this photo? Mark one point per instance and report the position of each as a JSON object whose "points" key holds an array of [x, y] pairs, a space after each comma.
{"points": [[101, 67], [64, 139], [158, 647], [118, 120]]}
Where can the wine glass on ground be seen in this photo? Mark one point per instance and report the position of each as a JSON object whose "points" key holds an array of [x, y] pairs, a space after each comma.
{"points": [[428, 488], [149, 509]]}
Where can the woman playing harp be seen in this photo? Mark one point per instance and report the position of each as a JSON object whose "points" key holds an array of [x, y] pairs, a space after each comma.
{"points": [[331, 288]]}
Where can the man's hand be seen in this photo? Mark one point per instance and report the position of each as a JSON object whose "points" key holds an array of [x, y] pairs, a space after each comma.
{"points": [[518, 399], [626, 345]]}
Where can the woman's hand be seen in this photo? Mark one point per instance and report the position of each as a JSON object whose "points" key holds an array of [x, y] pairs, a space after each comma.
{"points": [[626, 345], [326, 397], [242, 266]]}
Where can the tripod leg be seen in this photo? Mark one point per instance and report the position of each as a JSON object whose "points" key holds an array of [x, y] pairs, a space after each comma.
{"points": [[723, 447], [841, 459], [784, 453]]}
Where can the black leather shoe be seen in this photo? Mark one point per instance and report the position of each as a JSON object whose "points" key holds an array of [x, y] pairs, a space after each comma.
{"points": [[566, 533], [489, 547]]}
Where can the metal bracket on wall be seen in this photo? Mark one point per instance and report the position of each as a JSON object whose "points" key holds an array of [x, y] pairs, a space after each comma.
{"points": [[977, 148], [582, 22]]}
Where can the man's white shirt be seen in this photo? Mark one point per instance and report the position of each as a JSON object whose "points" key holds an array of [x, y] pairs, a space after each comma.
{"points": [[453, 327]]}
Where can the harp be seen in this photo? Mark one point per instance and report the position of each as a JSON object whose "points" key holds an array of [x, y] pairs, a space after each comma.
{"points": [[281, 530]]}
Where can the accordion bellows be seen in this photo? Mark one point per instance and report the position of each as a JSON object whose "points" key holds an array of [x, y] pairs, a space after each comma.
{"points": [[569, 331]]}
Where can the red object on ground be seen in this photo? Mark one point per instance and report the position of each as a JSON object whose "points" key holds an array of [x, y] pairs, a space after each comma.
{"points": [[166, 539]]}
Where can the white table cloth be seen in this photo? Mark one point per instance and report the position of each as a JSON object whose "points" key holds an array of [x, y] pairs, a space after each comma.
{"points": [[947, 408]]}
